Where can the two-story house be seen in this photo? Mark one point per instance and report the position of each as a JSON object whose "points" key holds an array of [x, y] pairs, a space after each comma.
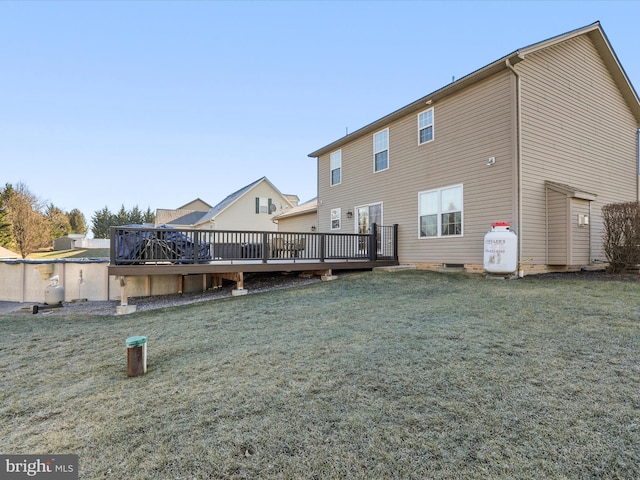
{"points": [[253, 207], [541, 138]]}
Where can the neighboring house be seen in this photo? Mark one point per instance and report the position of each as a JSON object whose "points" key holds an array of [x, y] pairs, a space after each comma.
{"points": [[185, 215], [68, 242], [541, 138], [6, 254], [253, 207], [303, 218]]}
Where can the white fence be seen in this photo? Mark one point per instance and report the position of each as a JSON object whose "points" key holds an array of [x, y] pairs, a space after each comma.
{"points": [[25, 281]]}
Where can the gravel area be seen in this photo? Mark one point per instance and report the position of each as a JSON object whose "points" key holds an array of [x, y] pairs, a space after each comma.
{"points": [[253, 283]]}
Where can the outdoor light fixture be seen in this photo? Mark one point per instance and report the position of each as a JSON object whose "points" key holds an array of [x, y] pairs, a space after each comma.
{"points": [[313, 228], [349, 214]]}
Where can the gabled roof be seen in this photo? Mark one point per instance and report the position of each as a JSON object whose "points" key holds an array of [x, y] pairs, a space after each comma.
{"points": [[196, 200], [6, 254], [190, 218], [595, 33], [308, 207], [231, 199]]}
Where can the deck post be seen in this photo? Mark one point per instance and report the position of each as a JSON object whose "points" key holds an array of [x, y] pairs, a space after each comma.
{"points": [[196, 246], [265, 247], [124, 299], [124, 307], [373, 243], [395, 241]]}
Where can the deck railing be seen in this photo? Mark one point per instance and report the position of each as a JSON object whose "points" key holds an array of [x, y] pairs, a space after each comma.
{"points": [[139, 245]]}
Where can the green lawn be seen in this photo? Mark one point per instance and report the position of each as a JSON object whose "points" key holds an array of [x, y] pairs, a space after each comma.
{"points": [[412, 374]]}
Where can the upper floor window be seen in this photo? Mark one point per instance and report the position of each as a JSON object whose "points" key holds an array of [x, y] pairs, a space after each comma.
{"points": [[425, 126], [440, 212], [336, 167], [381, 150], [264, 205], [335, 218]]}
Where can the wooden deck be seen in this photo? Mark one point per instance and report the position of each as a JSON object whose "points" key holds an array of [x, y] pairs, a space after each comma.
{"points": [[225, 254]]}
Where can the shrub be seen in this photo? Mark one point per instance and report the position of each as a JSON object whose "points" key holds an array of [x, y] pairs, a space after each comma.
{"points": [[621, 240]]}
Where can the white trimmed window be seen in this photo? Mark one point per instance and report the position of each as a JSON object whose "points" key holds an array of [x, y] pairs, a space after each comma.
{"points": [[440, 212], [264, 205], [381, 150], [335, 218], [336, 167], [425, 126]]}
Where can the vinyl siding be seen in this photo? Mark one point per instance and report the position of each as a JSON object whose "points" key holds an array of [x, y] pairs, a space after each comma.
{"points": [[557, 236], [298, 223], [469, 127], [576, 130], [241, 215], [580, 248]]}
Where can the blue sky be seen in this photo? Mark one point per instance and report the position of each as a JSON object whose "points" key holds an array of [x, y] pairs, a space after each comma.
{"points": [[156, 103]]}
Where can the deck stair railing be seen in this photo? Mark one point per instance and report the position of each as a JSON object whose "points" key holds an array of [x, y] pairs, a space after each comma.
{"points": [[137, 245]]}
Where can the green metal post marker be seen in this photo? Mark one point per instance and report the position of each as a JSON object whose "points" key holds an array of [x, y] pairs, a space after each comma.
{"points": [[136, 356]]}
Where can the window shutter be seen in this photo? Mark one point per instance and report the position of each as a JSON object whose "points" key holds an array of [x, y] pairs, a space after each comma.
{"points": [[257, 204], [269, 207]]}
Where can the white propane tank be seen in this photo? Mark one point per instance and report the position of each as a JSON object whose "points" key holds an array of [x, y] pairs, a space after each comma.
{"points": [[500, 249], [54, 293]]}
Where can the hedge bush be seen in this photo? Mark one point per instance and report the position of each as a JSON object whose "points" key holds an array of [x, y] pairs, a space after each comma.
{"points": [[621, 242]]}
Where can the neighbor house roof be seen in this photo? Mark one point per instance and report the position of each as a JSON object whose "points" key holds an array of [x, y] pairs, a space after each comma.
{"points": [[189, 218], [192, 202], [6, 254], [308, 207], [595, 33]]}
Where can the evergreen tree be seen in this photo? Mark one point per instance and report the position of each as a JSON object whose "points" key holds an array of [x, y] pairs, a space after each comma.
{"points": [[77, 221], [149, 216], [101, 221], [6, 236], [104, 219], [59, 225], [135, 216], [121, 218]]}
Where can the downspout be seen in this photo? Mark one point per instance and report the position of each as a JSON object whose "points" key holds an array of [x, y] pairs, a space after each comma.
{"points": [[518, 164]]}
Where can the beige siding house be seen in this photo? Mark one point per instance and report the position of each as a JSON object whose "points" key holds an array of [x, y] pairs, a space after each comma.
{"points": [[183, 216], [303, 218], [541, 138], [253, 207]]}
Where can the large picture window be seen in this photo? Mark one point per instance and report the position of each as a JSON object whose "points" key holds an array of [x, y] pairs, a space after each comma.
{"points": [[425, 126], [336, 167], [440, 212], [381, 150]]}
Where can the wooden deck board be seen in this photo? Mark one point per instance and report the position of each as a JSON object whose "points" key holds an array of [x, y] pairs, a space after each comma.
{"points": [[245, 266]]}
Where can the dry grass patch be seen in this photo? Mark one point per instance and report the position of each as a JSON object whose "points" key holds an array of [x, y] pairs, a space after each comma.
{"points": [[378, 375]]}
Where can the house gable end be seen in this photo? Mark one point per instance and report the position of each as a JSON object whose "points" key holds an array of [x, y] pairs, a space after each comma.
{"points": [[238, 196]]}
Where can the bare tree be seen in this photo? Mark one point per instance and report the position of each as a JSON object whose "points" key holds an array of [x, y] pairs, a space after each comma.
{"points": [[29, 226], [621, 240]]}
